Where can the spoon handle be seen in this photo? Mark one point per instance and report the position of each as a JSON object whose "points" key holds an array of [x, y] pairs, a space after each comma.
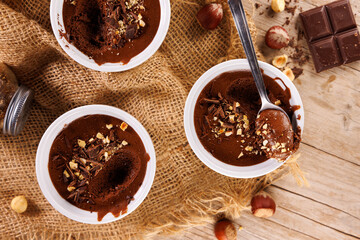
{"points": [[237, 10]]}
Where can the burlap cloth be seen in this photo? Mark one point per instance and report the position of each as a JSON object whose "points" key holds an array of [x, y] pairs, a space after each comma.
{"points": [[185, 192]]}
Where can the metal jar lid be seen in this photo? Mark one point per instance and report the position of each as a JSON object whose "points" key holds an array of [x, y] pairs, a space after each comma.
{"points": [[18, 111]]}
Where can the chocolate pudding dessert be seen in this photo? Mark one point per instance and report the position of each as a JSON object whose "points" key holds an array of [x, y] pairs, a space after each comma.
{"points": [[111, 30], [228, 126], [98, 163]]}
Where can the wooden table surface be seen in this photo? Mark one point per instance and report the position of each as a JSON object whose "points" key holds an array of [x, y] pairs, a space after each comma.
{"points": [[330, 207]]}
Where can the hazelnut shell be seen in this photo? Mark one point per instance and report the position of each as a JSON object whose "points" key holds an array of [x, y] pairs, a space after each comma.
{"points": [[225, 230], [277, 37], [262, 205], [210, 16]]}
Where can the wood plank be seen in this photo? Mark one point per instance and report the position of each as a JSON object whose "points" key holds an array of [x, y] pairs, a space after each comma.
{"points": [[317, 212], [331, 181]]}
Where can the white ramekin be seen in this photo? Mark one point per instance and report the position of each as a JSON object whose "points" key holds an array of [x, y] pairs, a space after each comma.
{"points": [[42, 160], [206, 157], [56, 18]]}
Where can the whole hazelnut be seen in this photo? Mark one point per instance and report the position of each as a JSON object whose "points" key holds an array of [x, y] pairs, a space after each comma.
{"points": [[277, 37], [210, 15], [225, 230], [262, 205], [278, 5], [19, 204]]}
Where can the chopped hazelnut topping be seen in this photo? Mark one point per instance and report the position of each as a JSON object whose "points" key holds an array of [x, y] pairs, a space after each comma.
{"points": [[70, 188], [66, 174], [265, 142], [232, 118], [91, 140], [141, 23], [249, 148], [277, 102], [81, 143], [99, 136], [241, 154], [239, 131], [109, 126], [228, 133], [123, 126], [106, 140], [73, 165], [83, 160], [124, 143], [265, 126]]}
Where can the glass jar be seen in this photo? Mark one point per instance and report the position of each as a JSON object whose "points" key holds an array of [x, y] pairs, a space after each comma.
{"points": [[15, 102]]}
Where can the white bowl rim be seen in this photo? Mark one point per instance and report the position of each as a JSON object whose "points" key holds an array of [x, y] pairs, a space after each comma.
{"points": [[206, 157], [57, 24], [42, 159]]}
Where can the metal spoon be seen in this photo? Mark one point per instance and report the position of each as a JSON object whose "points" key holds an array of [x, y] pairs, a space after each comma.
{"points": [[237, 10]]}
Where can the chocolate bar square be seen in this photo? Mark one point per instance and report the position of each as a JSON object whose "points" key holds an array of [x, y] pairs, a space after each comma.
{"points": [[332, 34], [349, 45], [341, 16], [317, 23], [325, 54]]}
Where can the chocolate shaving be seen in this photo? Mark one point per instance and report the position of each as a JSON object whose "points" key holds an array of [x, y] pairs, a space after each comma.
{"points": [[95, 162], [207, 121], [211, 108], [93, 151], [101, 154], [221, 112], [76, 198], [134, 15], [85, 172], [94, 169], [297, 71], [71, 195], [123, 7], [68, 145], [228, 125], [79, 161], [207, 100], [81, 190], [70, 171], [73, 183], [82, 183], [112, 135]]}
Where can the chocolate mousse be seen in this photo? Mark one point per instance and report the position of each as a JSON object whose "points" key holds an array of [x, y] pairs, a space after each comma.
{"points": [[111, 30], [98, 163], [225, 120]]}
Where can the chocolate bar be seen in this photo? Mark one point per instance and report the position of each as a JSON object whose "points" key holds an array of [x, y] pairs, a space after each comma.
{"points": [[332, 35]]}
